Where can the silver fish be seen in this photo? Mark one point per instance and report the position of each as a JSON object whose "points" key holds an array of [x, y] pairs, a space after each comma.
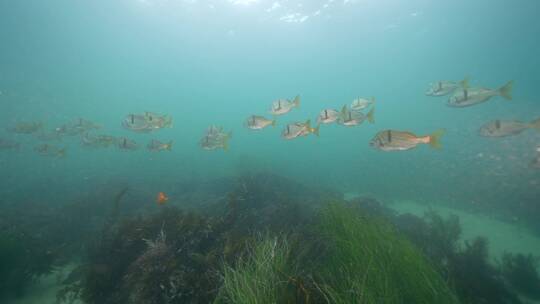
{"points": [[157, 146], [255, 122], [6, 144], [158, 121], [50, 150], [328, 116], [353, 118], [444, 87], [77, 127], [501, 128], [127, 144], [393, 140], [466, 96], [98, 141], [49, 135], [213, 143], [138, 123], [25, 127], [283, 106], [299, 129], [361, 103]]}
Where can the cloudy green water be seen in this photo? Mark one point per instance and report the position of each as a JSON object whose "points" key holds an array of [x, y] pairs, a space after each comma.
{"points": [[217, 62]]}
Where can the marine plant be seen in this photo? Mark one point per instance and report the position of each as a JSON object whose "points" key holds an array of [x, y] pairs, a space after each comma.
{"points": [[261, 275], [368, 262], [520, 271], [474, 279], [23, 258]]}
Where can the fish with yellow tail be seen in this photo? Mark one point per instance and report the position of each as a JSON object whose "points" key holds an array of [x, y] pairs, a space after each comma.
{"points": [[157, 146], [352, 118], [445, 87], [469, 96], [299, 129], [284, 106], [393, 140], [255, 122], [360, 104], [502, 128], [50, 151]]}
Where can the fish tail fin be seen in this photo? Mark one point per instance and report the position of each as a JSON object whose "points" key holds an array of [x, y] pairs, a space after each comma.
{"points": [[308, 123], [169, 122], [296, 101], [273, 122], [316, 130], [169, 145], [465, 82], [506, 90], [535, 124], [435, 139], [371, 115], [229, 135]]}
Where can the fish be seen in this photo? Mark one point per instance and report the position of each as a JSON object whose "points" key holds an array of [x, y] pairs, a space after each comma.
{"points": [[6, 144], [361, 103], [138, 123], [393, 140], [98, 141], [284, 106], [213, 143], [157, 146], [502, 128], [48, 135], [77, 127], [147, 122], [50, 150], [255, 122], [299, 129], [445, 87], [214, 130], [161, 198], [215, 138], [126, 144], [466, 96], [328, 116], [353, 118], [25, 127], [159, 121]]}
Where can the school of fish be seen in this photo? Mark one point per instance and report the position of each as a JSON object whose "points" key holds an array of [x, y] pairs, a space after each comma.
{"points": [[460, 94]]}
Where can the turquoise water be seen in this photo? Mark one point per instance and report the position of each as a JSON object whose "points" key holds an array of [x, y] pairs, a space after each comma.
{"points": [[218, 62]]}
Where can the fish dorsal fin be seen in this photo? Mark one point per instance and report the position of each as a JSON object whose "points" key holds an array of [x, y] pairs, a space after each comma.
{"points": [[497, 124]]}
